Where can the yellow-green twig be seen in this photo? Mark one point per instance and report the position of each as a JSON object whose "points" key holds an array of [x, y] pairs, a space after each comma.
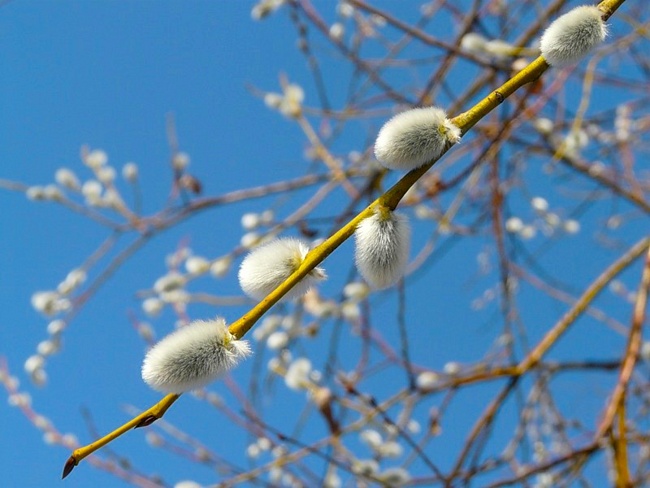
{"points": [[632, 350], [145, 418], [619, 446], [582, 304]]}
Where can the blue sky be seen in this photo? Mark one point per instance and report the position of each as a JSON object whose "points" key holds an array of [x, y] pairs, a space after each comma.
{"points": [[107, 74]]}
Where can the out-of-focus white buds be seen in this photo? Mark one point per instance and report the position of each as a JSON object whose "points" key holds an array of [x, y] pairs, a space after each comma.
{"points": [[394, 477], [197, 265], [382, 247], [180, 161], [92, 191], [130, 172], [67, 179], [193, 356], [415, 137], [266, 267], [473, 43], [336, 31], [265, 7], [96, 159], [220, 267], [570, 37], [297, 377]]}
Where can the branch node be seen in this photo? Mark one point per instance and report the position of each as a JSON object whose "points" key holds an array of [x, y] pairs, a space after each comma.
{"points": [[146, 421]]}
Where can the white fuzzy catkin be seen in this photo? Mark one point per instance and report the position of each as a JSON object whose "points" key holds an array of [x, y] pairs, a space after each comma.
{"points": [[382, 247], [415, 137], [266, 267], [570, 37], [192, 356]]}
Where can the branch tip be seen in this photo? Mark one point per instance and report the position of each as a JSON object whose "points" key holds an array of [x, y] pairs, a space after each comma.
{"points": [[69, 466]]}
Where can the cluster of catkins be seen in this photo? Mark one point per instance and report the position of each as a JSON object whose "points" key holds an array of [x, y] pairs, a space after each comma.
{"points": [[407, 141], [198, 353]]}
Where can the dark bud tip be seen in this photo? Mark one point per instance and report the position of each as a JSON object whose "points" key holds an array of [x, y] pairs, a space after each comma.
{"points": [[69, 466], [148, 420], [191, 183]]}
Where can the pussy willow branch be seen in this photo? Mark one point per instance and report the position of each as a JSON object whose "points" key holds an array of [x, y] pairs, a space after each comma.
{"points": [[627, 363], [578, 164], [487, 418], [351, 54], [419, 34], [580, 307], [565, 297], [390, 199], [145, 418], [619, 442], [558, 330], [66, 202], [619, 446], [631, 352]]}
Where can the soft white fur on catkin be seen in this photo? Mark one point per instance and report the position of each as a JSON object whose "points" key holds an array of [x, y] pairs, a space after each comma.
{"points": [[415, 137], [570, 37], [267, 266], [192, 357], [382, 247]]}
